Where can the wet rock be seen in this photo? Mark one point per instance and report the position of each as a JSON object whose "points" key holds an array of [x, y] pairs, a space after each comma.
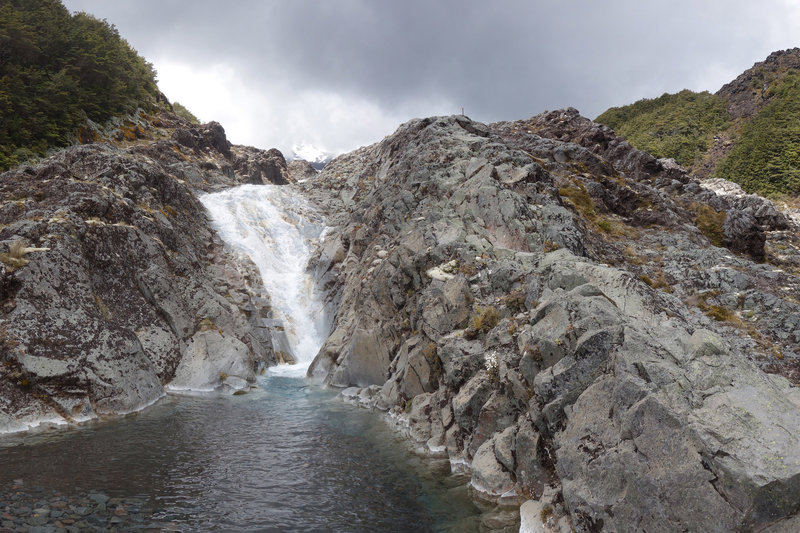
{"points": [[209, 359], [364, 362]]}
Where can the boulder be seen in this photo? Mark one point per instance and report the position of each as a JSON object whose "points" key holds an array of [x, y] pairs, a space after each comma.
{"points": [[460, 358], [122, 280], [448, 307], [743, 234], [488, 476], [209, 359], [623, 364], [469, 401], [365, 361]]}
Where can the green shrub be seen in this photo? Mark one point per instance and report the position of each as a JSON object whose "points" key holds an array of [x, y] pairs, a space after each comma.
{"points": [[680, 126], [766, 157], [59, 69], [184, 113]]}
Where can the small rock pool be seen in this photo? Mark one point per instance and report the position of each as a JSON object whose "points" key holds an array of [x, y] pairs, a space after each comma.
{"points": [[289, 456]]}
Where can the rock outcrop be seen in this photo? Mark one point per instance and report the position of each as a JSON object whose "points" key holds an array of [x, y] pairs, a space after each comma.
{"points": [[113, 286], [584, 324]]}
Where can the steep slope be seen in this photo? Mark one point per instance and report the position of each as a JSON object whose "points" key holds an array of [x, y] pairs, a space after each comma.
{"points": [[547, 304], [744, 133], [114, 287], [56, 71], [679, 126]]}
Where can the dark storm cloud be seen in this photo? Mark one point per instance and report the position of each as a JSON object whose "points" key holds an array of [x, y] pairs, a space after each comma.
{"points": [[499, 59]]}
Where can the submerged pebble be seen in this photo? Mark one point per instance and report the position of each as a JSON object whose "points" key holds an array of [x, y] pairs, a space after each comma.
{"points": [[33, 510]]}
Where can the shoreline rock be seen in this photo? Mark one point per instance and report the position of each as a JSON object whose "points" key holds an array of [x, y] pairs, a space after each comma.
{"points": [[122, 291], [527, 327]]}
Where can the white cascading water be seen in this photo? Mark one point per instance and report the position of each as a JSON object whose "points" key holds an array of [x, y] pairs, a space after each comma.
{"points": [[278, 230]]}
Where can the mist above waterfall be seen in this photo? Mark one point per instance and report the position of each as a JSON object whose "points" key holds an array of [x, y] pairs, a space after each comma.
{"points": [[277, 229]]}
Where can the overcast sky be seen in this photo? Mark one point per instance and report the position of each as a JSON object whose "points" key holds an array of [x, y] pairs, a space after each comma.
{"points": [[338, 74]]}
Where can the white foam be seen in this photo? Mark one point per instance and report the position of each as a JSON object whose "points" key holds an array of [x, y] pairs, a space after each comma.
{"points": [[278, 230]]}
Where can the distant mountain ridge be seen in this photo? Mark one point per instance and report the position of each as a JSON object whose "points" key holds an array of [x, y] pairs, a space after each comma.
{"points": [[746, 132], [316, 157]]}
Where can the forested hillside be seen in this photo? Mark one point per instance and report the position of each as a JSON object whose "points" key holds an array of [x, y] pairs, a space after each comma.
{"points": [[57, 70], [748, 132], [680, 126]]}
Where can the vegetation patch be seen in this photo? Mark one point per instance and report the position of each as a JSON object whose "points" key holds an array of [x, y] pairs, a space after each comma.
{"points": [[58, 70], [709, 222], [15, 257], [766, 156], [550, 246], [207, 325], [680, 126], [482, 321], [579, 197], [102, 307], [184, 113], [514, 301], [431, 355], [660, 281], [717, 312]]}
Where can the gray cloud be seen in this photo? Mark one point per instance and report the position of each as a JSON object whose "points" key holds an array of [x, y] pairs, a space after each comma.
{"points": [[355, 66]]}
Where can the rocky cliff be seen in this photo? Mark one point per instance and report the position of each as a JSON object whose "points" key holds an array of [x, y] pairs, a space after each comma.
{"points": [[584, 325], [113, 286], [743, 132]]}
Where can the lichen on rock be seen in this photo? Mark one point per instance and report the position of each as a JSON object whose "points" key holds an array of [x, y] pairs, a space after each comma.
{"points": [[631, 405]]}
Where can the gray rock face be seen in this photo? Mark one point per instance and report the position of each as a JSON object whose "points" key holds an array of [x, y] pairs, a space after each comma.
{"points": [[364, 361], [260, 167], [123, 289], [552, 309], [300, 169], [209, 360]]}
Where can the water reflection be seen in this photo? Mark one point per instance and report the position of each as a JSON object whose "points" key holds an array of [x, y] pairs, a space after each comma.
{"points": [[289, 456]]}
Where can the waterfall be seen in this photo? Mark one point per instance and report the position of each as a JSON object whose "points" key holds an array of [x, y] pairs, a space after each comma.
{"points": [[277, 229]]}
